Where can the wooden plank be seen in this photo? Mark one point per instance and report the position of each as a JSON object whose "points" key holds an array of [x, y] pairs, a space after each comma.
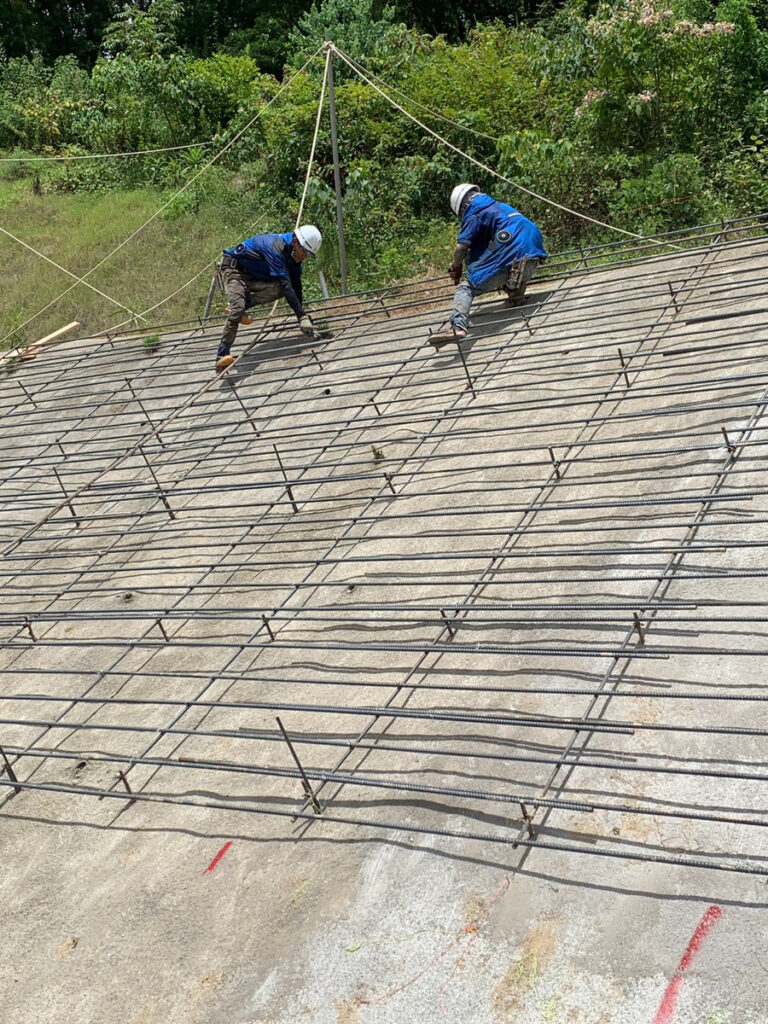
{"points": [[26, 352]]}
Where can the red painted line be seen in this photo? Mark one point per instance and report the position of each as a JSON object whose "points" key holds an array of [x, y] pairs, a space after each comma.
{"points": [[475, 933], [215, 862], [401, 988], [669, 1002], [471, 930]]}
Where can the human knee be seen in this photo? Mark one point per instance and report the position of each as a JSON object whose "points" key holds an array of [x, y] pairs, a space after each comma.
{"points": [[235, 307]]}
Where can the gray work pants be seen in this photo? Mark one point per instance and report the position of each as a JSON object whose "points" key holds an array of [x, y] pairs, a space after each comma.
{"points": [[512, 280], [243, 291]]}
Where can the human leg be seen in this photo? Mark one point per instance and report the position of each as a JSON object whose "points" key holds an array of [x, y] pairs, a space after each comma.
{"points": [[259, 293], [466, 293], [519, 277], [463, 298], [236, 290], [458, 328]]}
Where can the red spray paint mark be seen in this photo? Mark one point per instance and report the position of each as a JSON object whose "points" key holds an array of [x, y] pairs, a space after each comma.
{"points": [[215, 862], [471, 930], [669, 1002]]}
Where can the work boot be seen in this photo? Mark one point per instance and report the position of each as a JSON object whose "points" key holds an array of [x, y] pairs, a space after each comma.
{"points": [[443, 338], [224, 363]]}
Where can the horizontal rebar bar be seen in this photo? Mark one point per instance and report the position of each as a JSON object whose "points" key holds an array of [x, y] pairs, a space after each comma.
{"points": [[733, 865], [349, 778]]}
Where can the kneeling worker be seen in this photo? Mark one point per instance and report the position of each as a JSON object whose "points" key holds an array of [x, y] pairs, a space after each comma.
{"points": [[502, 248], [260, 270]]}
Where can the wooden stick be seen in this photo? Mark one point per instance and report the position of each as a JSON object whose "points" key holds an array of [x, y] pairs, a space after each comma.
{"points": [[30, 351]]}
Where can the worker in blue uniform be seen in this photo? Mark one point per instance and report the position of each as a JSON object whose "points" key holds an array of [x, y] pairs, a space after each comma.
{"points": [[502, 249], [260, 270]]}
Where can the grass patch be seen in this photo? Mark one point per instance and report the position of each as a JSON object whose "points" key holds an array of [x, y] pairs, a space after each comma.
{"points": [[323, 330], [151, 343], [78, 231], [174, 253]]}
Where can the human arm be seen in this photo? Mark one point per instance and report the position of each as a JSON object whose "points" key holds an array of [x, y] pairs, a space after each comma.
{"points": [[294, 301], [459, 255]]}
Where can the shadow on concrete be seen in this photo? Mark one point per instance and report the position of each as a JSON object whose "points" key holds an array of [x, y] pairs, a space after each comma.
{"points": [[711, 890], [271, 350], [490, 318]]}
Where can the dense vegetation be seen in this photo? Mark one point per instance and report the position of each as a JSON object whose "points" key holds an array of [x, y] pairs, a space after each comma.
{"points": [[647, 114]]}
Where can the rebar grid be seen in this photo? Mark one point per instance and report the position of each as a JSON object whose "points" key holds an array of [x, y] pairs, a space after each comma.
{"points": [[656, 299], [447, 584]]}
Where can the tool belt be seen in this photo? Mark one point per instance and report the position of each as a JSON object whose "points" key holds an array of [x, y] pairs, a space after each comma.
{"points": [[229, 261]]}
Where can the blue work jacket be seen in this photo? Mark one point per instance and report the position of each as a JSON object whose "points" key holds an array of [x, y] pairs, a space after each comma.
{"points": [[497, 236], [266, 257]]}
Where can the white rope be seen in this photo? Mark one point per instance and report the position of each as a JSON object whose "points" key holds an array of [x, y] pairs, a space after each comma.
{"points": [[432, 113], [99, 156], [485, 167], [328, 59], [69, 273], [210, 263], [165, 205], [168, 298], [207, 266], [162, 302]]}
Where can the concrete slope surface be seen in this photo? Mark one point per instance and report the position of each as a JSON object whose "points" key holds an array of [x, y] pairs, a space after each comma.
{"points": [[365, 684]]}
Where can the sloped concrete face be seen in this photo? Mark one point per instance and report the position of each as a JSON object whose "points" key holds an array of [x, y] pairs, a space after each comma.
{"points": [[508, 605]]}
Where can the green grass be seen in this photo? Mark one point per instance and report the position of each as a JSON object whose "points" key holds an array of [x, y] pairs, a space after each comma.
{"points": [[151, 343], [77, 231]]}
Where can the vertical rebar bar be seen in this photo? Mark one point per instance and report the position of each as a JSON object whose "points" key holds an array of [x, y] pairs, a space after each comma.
{"points": [[308, 791], [288, 490], [31, 399], [160, 492], [66, 496], [624, 367], [470, 385], [144, 411], [233, 388]]}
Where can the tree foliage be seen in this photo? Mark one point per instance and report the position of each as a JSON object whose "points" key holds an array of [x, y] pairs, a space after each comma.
{"points": [[651, 114], [54, 28]]}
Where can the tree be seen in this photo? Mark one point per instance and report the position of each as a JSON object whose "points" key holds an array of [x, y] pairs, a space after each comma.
{"points": [[55, 28], [257, 28], [354, 25], [456, 19]]}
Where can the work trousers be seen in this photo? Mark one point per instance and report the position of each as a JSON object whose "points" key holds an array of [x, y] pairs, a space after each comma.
{"points": [[512, 280], [242, 291]]}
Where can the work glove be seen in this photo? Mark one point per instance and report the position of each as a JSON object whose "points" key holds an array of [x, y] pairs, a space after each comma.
{"points": [[454, 272], [306, 325]]}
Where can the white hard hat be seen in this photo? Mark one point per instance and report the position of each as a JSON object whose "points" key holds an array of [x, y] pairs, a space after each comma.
{"points": [[309, 238], [460, 193]]}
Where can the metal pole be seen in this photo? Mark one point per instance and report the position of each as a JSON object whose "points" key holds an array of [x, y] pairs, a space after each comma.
{"points": [[209, 300], [337, 172]]}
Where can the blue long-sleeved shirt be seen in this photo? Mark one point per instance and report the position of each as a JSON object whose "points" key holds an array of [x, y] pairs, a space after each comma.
{"points": [[497, 235], [268, 258]]}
